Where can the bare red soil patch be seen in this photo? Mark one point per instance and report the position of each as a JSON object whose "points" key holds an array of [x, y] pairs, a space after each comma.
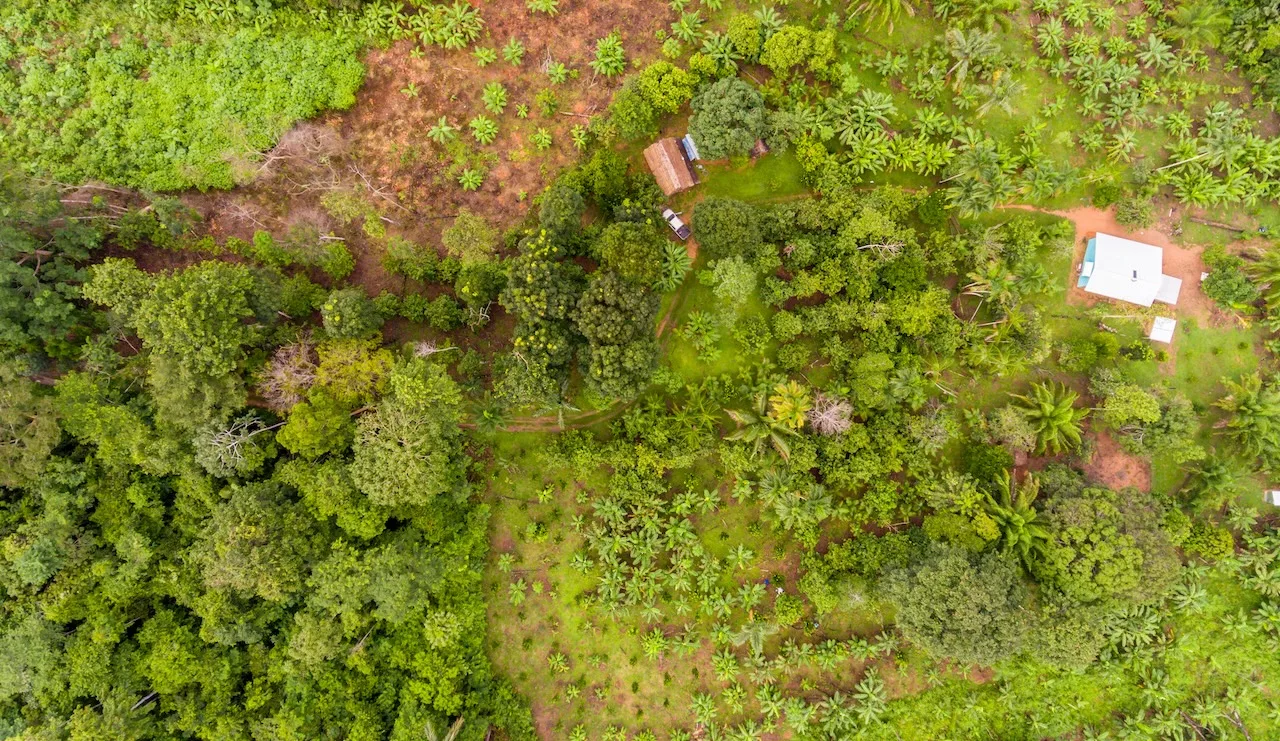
{"points": [[380, 149], [1115, 468]]}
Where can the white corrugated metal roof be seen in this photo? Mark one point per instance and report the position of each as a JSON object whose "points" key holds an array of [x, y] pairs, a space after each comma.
{"points": [[1162, 329], [1129, 271], [1170, 287]]}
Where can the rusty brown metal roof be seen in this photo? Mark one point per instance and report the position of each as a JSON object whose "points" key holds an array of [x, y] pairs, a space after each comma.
{"points": [[669, 167]]}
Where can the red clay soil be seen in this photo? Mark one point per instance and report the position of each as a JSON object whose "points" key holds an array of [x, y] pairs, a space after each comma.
{"points": [[1115, 468], [379, 149]]}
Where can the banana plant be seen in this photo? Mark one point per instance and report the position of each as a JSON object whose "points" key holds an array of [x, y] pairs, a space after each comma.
{"points": [[610, 59], [484, 129], [494, 97]]}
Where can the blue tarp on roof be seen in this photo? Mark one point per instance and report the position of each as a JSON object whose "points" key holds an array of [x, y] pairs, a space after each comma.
{"points": [[1087, 268]]}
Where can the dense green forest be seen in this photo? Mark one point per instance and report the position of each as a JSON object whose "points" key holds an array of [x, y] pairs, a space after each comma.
{"points": [[352, 385]]}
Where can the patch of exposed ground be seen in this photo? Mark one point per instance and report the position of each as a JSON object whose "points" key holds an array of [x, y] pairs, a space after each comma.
{"points": [[1115, 468], [380, 152]]}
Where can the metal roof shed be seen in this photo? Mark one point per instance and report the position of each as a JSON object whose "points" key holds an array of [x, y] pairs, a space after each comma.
{"points": [[1127, 271], [1162, 329], [670, 168]]}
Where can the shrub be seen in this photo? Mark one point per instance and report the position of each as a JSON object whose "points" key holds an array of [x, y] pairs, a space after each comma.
{"points": [[787, 326], [561, 211], [790, 47], [411, 260], [1139, 350], [470, 238], [387, 304], [1227, 284], [1107, 344], [1135, 211], [413, 307], [632, 250], [1106, 194], [793, 356], [299, 296], [444, 313], [316, 427], [932, 210], [744, 32], [1210, 542], [480, 283], [728, 117], [1078, 356], [753, 334], [348, 313], [985, 463], [968, 608], [660, 89], [726, 227], [787, 610]]}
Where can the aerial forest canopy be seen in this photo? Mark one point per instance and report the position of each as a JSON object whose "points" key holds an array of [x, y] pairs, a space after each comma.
{"points": [[589, 369]]}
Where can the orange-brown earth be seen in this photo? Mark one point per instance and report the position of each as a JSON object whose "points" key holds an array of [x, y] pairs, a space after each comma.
{"points": [[379, 149]]}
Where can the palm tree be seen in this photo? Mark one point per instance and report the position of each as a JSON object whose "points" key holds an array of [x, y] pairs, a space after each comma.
{"points": [[1214, 482], [1050, 407], [1015, 516], [1199, 23], [970, 49], [1266, 272], [952, 491], [1254, 420], [758, 428], [1000, 94], [754, 634], [996, 282], [722, 51], [885, 12], [452, 734], [1050, 37], [1156, 53]]}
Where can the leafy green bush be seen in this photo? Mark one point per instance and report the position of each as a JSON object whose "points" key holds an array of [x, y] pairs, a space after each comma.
{"points": [[728, 117], [793, 356], [787, 610], [1106, 194], [1228, 284], [348, 313], [956, 605], [190, 108], [443, 313], [1210, 542], [1135, 211], [726, 227]]}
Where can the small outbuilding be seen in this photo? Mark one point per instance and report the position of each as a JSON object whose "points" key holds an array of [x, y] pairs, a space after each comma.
{"points": [[1127, 271], [670, 166], [1162, 329]]}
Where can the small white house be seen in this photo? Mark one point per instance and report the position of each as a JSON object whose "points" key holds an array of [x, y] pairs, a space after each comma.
{"points": [[1127, 271]]}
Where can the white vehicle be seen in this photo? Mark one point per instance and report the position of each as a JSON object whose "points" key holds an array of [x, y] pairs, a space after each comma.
{"points": [[679, 227]]}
